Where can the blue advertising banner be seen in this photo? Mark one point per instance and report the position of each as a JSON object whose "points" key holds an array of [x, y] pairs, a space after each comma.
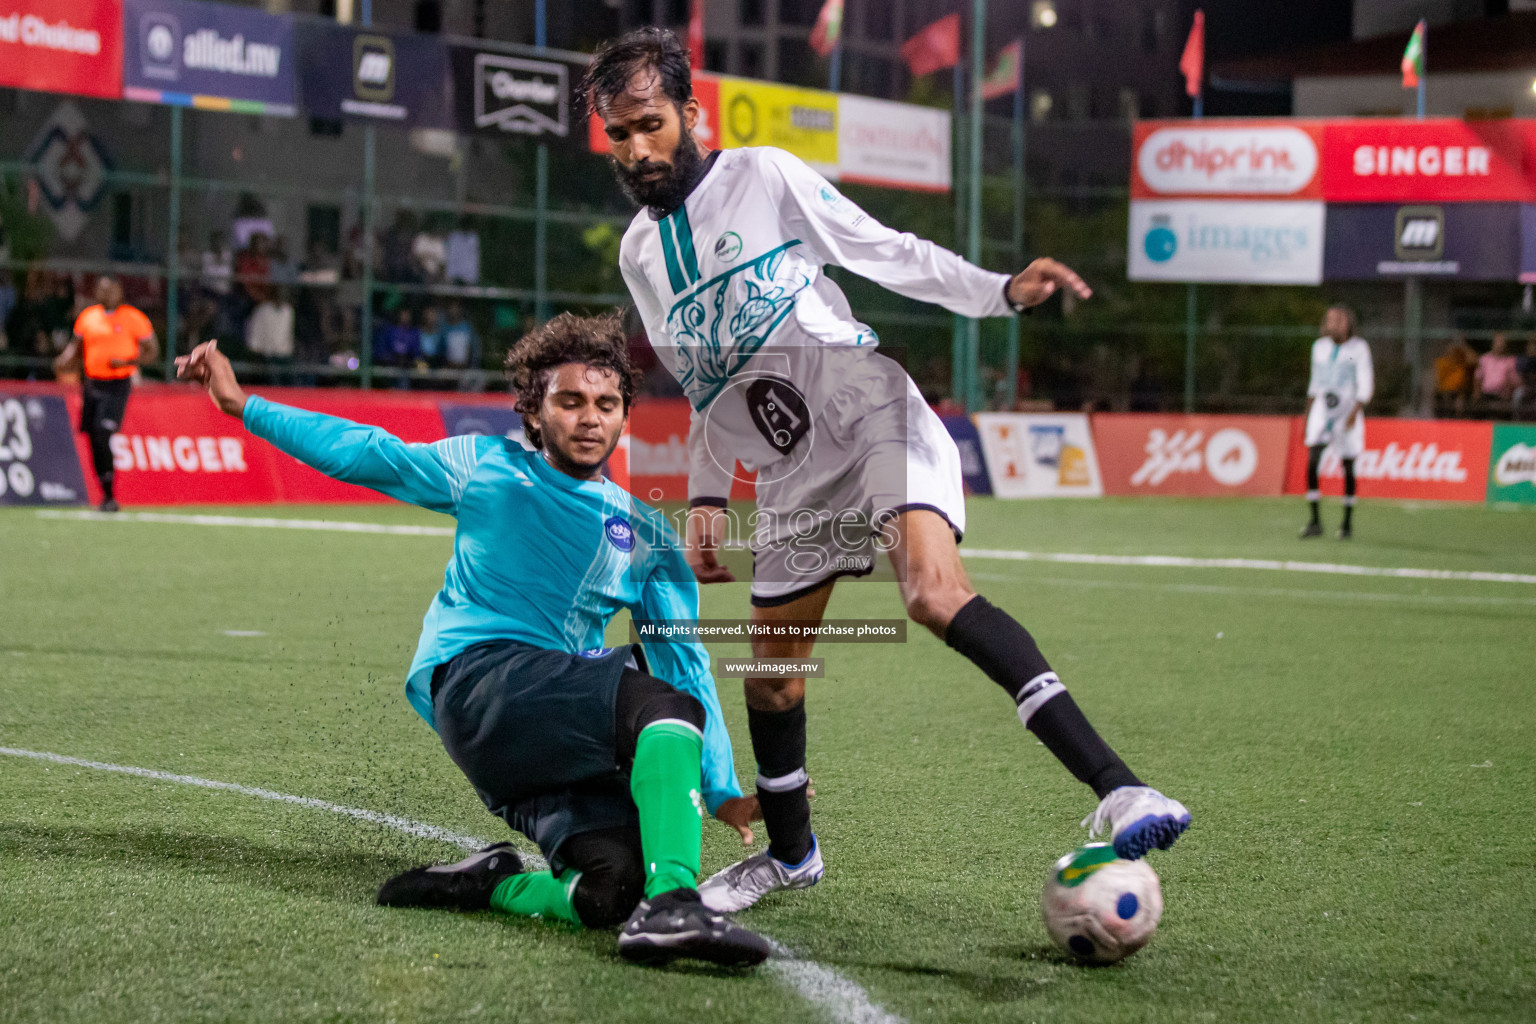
{"points": [[209, 56], [1455, 241], [38, 461], [346, 72], [973, 467], [483, 420]]}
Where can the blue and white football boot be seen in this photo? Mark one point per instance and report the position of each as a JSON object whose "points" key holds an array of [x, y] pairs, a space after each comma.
{"points": [[1138, 818], [747, 881]]}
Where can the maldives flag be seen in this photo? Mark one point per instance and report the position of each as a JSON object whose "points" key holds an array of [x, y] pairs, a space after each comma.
{"points": [[1413, 57], [696, 35], [935, 47], [1192, 64], [1004, 78], [829, 28]]}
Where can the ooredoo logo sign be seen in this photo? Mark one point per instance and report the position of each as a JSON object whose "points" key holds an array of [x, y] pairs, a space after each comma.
{"points": [[1191, 455], [1239, 160]]}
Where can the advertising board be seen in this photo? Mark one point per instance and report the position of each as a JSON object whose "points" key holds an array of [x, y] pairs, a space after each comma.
{"points": [[1191, 455], [1040, 455]]}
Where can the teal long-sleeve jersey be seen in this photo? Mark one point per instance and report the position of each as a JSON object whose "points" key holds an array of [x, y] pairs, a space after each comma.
{"points": [[538, 556]]}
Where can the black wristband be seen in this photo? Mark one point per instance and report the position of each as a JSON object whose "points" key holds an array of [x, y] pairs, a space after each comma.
{"points": [[1017, 307]]}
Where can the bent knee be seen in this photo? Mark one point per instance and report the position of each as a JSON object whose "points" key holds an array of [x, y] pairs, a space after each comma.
{"points": [[606, 898], [934, 606]]}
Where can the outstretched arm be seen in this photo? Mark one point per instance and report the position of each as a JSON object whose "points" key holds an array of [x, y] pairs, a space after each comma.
{"points": [[841, 233], [430, 475]]}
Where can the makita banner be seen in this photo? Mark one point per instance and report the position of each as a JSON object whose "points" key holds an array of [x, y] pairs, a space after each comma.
{"points": [[527, 95], [1192, 455], [377, 76], [210, 56], [1434, 460], [1449, 241], [1039, 455], [38, 461], [73, 46]]}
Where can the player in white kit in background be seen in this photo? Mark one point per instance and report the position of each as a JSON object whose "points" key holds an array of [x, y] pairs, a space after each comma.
{"points": [[1341, 385], [725, 262]]}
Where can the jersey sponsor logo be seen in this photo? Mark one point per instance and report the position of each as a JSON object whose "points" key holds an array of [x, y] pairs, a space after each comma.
{"points": [[778, 412], [728, 247], [619, 533], [595, 652]]}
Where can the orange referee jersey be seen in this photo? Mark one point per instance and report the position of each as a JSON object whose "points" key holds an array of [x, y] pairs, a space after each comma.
{"points": [[107, 336]]}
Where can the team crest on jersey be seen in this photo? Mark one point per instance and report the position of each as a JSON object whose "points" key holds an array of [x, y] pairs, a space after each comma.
{"points": [[619, 533]]}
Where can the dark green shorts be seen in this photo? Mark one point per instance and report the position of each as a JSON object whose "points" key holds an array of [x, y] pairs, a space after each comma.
{"points": [[535, 733]]}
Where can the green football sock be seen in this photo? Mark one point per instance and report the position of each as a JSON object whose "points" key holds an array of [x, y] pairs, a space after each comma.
{"points": [[665, 783], [538, 894]]}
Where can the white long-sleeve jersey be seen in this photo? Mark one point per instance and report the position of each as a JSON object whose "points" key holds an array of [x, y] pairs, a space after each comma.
{"points": [[730, 285], [1342, 371]]}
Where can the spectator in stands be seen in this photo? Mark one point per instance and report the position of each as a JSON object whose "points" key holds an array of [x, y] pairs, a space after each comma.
{"points": [[250, 220], [462, 252], [1525, 386], [431, 338], [7, 304], [429, 254], [461, 347], [399, 264], [397, 344], [269, 331], [1495, 376], [1453, 376], [253, 268], [285, 268]]}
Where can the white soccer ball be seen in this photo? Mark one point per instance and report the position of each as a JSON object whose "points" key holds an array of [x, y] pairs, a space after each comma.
{"points": [[1099, 908]]}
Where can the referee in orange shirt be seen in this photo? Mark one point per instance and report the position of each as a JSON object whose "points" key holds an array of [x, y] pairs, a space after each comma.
{"points": [[112, 340]]}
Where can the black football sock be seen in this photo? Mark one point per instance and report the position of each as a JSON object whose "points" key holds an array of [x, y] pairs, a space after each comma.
{"points": [[1006, 652], [1314, 460], [1349, 491], [778, 743]]}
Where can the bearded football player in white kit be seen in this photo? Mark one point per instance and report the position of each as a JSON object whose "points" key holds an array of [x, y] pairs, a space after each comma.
{"points": [[725, 263], [1341, 384]]}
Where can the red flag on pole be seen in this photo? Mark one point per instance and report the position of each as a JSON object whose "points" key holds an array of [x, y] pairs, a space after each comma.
{"points": [[829, 28], [1192, 64], [1004, 77], [696, 35], [935, 47]]}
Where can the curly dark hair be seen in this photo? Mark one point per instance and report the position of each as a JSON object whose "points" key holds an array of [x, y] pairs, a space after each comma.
{"points": [[594, 340], [617, 60]]}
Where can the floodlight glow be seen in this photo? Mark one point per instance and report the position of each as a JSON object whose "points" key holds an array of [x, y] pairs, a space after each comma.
{"points": [[1043, 13]]}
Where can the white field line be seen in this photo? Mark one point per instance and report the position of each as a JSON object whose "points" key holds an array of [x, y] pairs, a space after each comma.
{"points": [[844, 1001], [1262, 564], [180, 519], [1291, 592], [1002, 554]]}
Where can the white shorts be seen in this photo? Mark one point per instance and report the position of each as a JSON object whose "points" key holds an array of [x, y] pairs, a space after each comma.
{"points": [[877, 449], [1326, 428]]}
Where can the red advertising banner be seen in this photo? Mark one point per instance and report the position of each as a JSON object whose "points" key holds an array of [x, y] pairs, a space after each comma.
{"points": [[1433, 460], [1390, 160], [72, 46], [1191, 455], [1348, 160], [706, 89], [658, 453]]}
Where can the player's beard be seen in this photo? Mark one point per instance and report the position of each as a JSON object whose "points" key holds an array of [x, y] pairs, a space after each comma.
{"points": [[666, 192]]}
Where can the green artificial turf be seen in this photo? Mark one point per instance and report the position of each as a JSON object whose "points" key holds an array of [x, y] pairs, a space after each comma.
{"points": [[1357, 752]]}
